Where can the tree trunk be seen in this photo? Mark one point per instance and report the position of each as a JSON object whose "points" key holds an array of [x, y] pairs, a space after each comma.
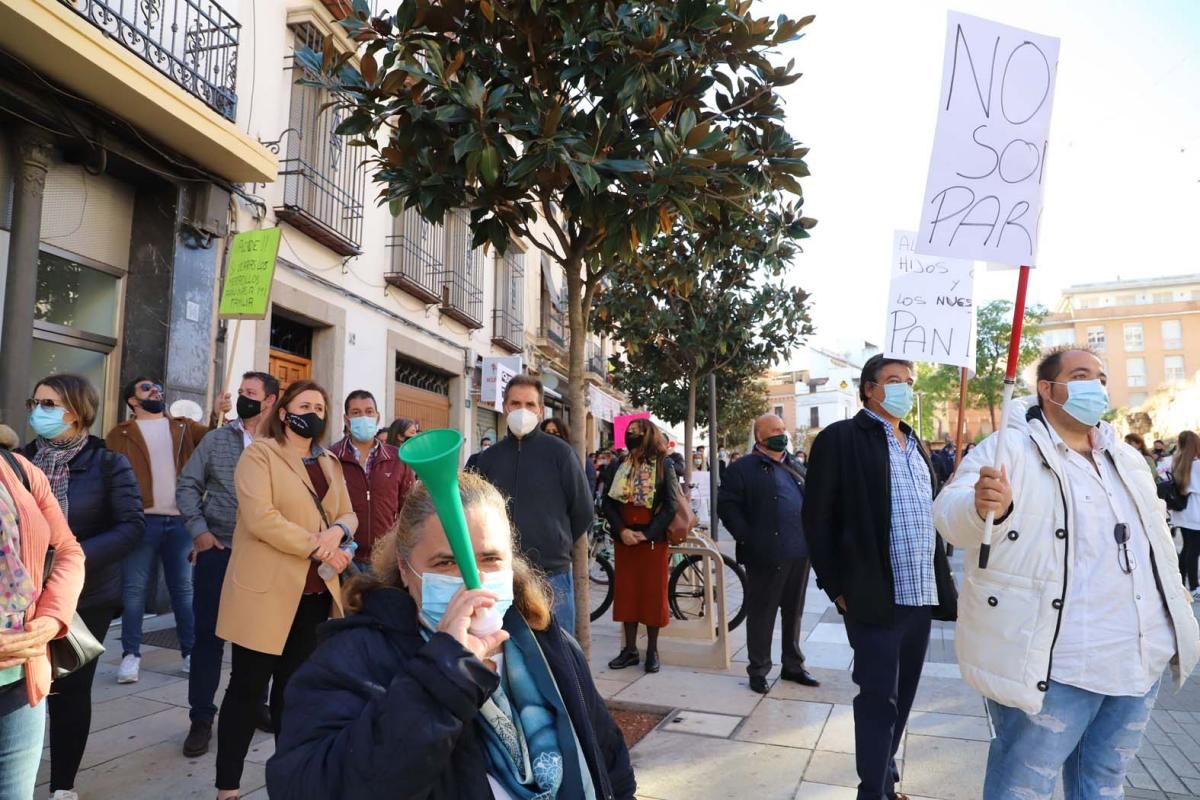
{"points": [[992, 414], [577, 325], [689, 427]]}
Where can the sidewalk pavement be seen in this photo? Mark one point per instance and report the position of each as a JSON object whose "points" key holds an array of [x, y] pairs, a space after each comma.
{"points": [[720, 741]]}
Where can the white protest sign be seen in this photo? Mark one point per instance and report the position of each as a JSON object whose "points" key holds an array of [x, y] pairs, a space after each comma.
{"points": [[488, 393], [983, 199], [503, 376], [931, 308]]}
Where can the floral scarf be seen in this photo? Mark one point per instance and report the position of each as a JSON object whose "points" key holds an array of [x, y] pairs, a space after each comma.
{"points": [[54, 459], [634, 484], [16, 585]]}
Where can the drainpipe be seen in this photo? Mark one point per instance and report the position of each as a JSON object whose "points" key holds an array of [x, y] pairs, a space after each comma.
{"points": [[32, 160]]}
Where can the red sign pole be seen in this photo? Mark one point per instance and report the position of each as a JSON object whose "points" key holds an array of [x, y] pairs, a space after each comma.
{"points": [[1010, 381]]}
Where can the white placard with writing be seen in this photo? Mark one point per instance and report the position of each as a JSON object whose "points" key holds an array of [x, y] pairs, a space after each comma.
{"points": [[503, 376], [488, 392], [983, 199], [931, 307]]}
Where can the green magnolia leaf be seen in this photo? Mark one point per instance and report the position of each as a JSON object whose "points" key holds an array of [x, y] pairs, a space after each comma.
{"points": [[467, 143], [358, 123], [489, 165]]}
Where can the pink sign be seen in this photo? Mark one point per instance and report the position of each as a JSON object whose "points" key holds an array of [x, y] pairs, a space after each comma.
{"points": [[621, 423]]}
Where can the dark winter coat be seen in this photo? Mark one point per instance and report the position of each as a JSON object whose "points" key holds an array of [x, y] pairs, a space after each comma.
{"points": [[747, 504], [664, 506], [377, 499], [847, 521], [104, 511], [387, 714], [549, 500]]}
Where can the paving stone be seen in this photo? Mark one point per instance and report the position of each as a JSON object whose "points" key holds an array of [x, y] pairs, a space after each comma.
{"points": [[1138, 777], [947, 696], [832, 632], [934, 766], [106, 688], [608, 687], [827, 655], [700, 723], [951, 726], [1163, 775], [123, 709], [835, 769], [697, 691], [165, 727], [838, 736], [823, 791], [836, 687], [786, 723], [934, 669], [716, 768], [1180, 764]]}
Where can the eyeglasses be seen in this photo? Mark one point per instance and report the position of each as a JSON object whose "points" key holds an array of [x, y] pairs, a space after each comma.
{"points": [[1124, 557], [32, 402], [149, 387]]}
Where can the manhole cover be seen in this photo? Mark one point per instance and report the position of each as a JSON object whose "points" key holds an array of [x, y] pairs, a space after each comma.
{"points": [[167, 638]]}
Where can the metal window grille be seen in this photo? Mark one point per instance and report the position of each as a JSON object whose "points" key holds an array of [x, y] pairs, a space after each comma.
{"points": [[192, 42], [462, 297], [417, 256], [416, 374], [323, 180], [508, 318], [595, 357]]}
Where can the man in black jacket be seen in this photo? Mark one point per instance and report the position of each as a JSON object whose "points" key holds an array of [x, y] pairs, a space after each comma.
{"points": [[869, 523], [761, 501], [549, 500]]}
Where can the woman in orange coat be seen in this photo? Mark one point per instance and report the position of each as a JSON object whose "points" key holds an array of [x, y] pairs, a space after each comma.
{"points": [[34, 608]]}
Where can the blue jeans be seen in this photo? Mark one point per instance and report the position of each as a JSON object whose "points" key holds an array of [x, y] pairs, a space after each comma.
{"points": [[1090, 737], [207, 579], [166, 538], [563, 585], [21, 732]]}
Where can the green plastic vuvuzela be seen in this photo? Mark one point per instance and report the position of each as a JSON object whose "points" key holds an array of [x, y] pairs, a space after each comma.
{"points": [[433, 455]]}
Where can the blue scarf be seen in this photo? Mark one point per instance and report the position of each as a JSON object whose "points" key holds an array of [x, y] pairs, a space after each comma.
{"points": [[527, 735]]}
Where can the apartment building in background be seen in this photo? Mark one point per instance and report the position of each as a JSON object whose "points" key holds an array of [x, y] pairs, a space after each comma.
{"points": [[1148, 331], [186, 117], [821, 391]]}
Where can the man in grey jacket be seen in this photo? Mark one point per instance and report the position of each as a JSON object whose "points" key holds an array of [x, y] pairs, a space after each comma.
{"points": [[207, 501]]}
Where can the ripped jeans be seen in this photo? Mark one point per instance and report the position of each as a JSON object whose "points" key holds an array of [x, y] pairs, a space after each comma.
{"points": [[1090, 737]]}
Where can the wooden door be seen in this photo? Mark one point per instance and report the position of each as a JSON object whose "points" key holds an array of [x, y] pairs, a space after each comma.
{"points": [[287, 367], [430, 409]]}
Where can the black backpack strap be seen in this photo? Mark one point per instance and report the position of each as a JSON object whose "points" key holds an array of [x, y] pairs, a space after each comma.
{"points": [[16, 467]]}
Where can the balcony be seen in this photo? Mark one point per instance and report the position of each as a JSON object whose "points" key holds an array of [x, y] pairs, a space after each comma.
{"points": [[554, 325], [596, 362], [508, 330], [417, 248], [192, 42], [322, 182], [462, 299]]}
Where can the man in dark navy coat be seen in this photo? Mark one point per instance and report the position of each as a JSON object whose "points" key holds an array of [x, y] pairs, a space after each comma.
{"points": [[761, 502]]}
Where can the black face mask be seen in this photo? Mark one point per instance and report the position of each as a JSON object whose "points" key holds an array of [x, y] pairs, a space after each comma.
{"points": [[152, 406], [634, 442], [306, 426], [248, 408]]}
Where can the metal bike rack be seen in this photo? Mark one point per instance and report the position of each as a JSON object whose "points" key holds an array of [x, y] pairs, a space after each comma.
{"points": [[704, 640]]}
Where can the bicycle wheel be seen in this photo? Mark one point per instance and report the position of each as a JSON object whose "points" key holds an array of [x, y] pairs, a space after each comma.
{"points": [[602, 591], [685, 591], [599, 569]]}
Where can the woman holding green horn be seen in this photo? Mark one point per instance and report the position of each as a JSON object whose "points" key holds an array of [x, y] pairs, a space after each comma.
{"points": [[418, 694]]}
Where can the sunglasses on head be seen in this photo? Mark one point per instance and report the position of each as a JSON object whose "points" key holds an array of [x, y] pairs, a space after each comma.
{"points": [[149, 387], [33, 402]]}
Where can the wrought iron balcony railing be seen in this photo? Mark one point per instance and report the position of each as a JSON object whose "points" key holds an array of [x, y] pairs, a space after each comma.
{"points": [[192, 42], [508, 330], [462, 299], [554, 325]]}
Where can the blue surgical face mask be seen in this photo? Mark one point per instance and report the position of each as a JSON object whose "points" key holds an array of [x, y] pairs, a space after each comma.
{"points": [[437, 591], [363, 429], [1086, 401], [897, 399], [48, 422]]}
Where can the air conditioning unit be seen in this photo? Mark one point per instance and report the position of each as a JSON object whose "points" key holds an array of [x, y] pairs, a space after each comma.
{"points": [[208, 209]]}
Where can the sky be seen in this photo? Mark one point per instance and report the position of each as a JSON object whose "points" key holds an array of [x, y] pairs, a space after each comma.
{"points": [[1122, 196]]}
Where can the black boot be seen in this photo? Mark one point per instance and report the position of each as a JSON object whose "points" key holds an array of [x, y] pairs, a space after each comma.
{"points": [[626, 658], [652, 664]]}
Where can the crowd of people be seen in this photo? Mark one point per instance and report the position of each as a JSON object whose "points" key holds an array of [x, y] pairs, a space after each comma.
{"points": [[264, 533]]}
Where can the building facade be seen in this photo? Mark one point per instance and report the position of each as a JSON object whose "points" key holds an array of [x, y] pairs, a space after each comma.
{"points": [[1147, 330], [137, 215], [822, 393]]}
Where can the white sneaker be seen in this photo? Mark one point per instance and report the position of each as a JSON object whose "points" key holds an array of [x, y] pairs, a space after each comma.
{"points": [[1196, 593], [64, 794], [129, 669], [186, 669]]}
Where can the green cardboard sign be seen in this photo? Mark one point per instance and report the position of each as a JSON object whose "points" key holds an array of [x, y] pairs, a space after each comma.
{"points": [[247, 292]]}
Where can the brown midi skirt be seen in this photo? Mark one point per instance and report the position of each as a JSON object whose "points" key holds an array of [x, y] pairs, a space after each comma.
{"points": [[640, 585]]}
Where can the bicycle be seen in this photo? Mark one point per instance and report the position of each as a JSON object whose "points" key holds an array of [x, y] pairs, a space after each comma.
{"points": [[600, 569], [686, 595]]}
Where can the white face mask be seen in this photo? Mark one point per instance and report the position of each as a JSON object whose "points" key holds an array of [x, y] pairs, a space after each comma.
{"points": [[522, 422]]}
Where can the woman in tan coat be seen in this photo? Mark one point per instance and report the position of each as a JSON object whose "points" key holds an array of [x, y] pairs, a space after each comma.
{"points": [[294, 515]]}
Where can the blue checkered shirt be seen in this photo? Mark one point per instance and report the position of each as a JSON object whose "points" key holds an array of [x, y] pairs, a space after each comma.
{"points": [[910, 545]]}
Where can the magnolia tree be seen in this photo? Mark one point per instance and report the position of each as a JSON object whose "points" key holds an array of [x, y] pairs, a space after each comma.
{"points": [[584, 127], [712, 299]]}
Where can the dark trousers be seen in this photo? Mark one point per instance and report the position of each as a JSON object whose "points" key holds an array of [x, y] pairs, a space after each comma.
{"points": [[70, 707], [887, 669], [249, 677], [1189, 557], [769, 590], [208, 575]]}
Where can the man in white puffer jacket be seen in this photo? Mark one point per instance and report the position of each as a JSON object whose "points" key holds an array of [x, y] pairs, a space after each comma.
{"points": [[1080, 609]]}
